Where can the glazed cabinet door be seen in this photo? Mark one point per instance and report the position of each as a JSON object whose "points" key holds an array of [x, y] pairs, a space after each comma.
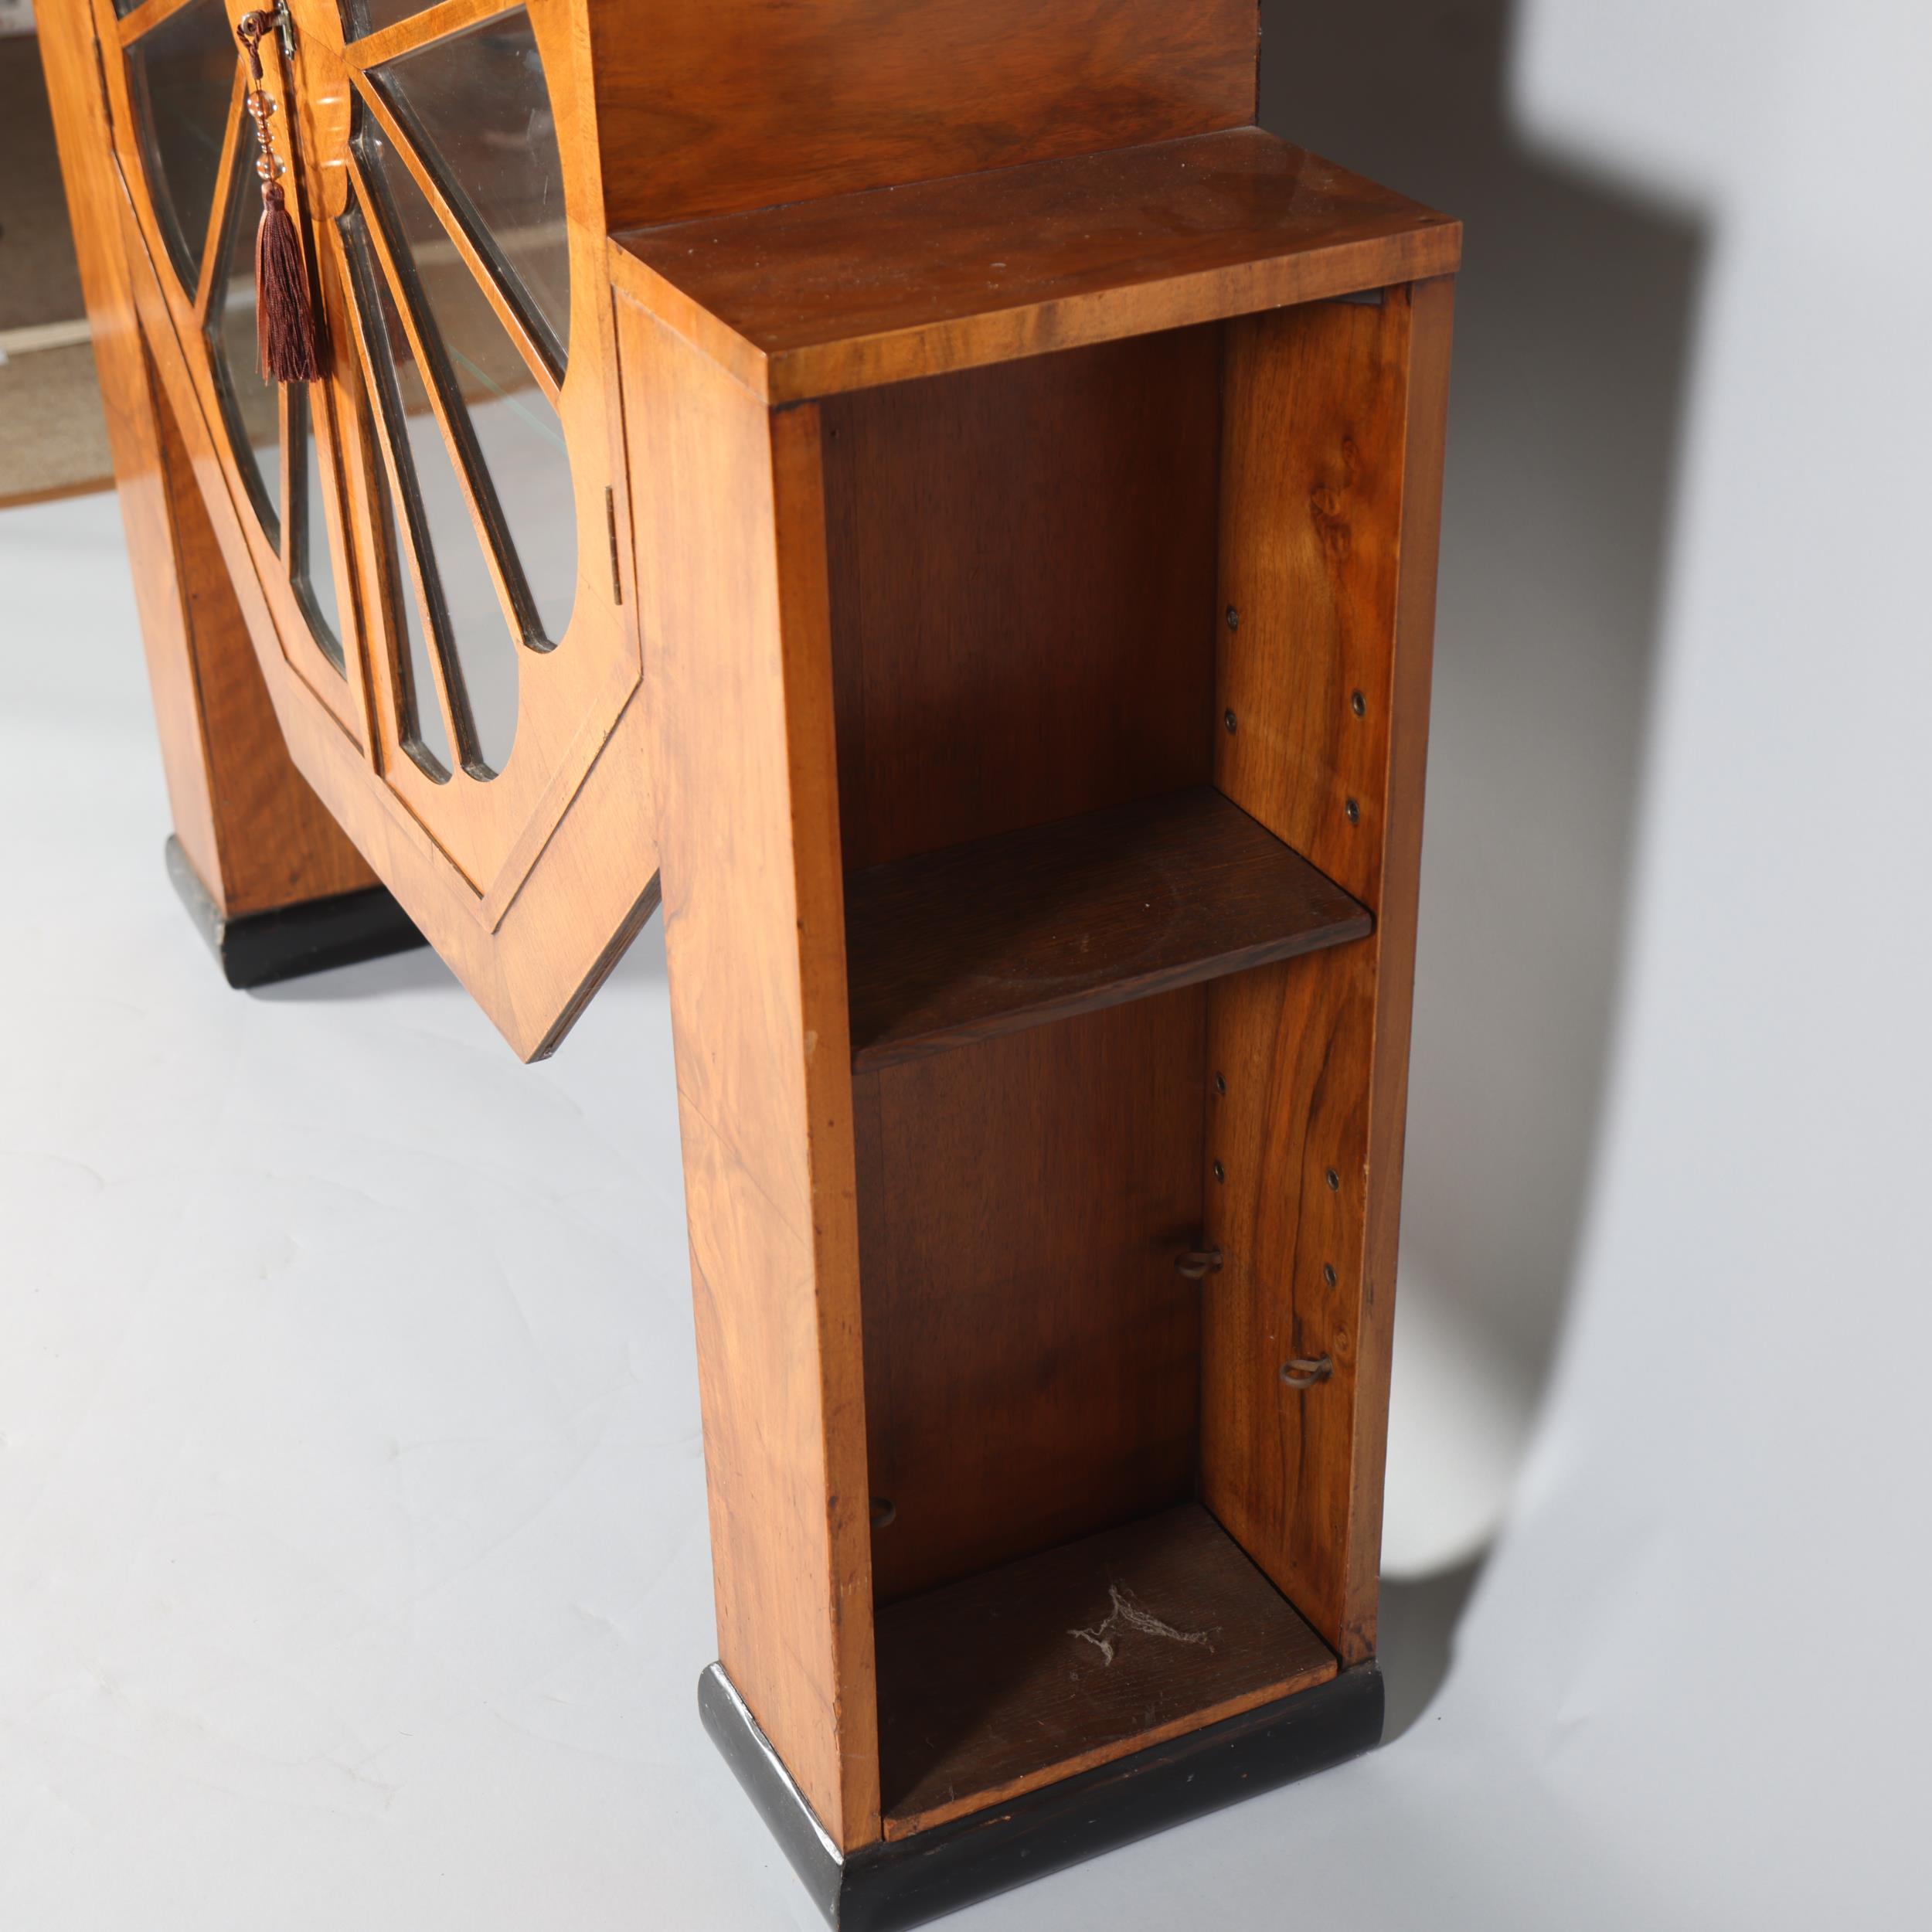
{"points": [[428, 539]]}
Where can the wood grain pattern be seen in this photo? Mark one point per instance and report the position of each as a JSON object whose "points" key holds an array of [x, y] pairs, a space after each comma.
{"points": [[1032, 1366], [705, 110], [322, 108], [986, 938], [1332, 486], [731, 577], [1029, 1674], [257, 835], [1023, 571], [819, 296]]}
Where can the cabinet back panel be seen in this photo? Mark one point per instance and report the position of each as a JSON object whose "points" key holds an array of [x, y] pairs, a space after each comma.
{"points": [[1023, 564], [1032, 1360], [702, 110]]}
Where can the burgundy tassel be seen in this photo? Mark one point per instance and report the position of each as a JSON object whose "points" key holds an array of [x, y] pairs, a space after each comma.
{"points": [[288, 343], [285, 343]]}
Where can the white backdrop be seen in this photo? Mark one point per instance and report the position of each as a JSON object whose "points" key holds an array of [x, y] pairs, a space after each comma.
{"points": [[352, 1564]]}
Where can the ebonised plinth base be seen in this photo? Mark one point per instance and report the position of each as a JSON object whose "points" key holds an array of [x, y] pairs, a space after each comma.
{"points": [[260, 948], [887, 1886]]}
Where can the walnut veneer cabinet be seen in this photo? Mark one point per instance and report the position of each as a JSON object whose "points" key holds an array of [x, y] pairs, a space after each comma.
{"points": [[933, 490]]}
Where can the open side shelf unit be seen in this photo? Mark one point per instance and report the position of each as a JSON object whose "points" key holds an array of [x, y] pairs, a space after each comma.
{"points": [[1039, 564], [935, 498]]}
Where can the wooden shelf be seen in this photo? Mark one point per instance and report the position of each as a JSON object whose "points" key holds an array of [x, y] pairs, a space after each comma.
{"points": [[985, 938], [1047, 1666], [814, 297]]}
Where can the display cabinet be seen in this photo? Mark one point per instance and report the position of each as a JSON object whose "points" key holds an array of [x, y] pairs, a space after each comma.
{"points": [[940, 495]]}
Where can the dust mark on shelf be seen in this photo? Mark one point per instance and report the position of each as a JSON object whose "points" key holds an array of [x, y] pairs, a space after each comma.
{"points": [[1125, 1615]]}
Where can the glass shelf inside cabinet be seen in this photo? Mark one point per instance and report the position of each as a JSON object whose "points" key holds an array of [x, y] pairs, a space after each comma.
{"points": [[180, 79], [478, 106]]}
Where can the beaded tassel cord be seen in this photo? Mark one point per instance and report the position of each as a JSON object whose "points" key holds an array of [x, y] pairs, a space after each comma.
{"points": [[286, 347]]}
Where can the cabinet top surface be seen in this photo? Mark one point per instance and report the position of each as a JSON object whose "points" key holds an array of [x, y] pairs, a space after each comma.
{"points": [[813, 297]]}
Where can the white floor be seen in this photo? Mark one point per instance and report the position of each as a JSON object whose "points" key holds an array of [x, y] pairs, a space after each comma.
{"points": [[353, 1570]]}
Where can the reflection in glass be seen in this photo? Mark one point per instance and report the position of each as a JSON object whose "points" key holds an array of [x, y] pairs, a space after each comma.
{"points": [[371, 16], [517, 438], [311, 564], [181, 77], [478, 108], [251, 404], [473, 643]]}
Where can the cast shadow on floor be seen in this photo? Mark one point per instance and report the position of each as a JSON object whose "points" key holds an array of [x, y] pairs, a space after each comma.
{"points": [[1575, 313], [1416, 1638]]}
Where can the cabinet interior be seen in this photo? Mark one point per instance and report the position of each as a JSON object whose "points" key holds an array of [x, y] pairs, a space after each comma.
{"points": [[1053, 907]]}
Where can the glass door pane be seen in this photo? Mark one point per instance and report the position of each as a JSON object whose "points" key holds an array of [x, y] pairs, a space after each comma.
{"points": [[311, 562], [465, 621], [251, 405], [478, 108], [515, 446], [181, 77]]}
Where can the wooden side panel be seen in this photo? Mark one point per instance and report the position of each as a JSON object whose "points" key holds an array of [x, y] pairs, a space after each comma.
{"points": [[1023, 584], [730, 571], [1332, 485], [1032, 1357], [704, 110], [254, 830]]}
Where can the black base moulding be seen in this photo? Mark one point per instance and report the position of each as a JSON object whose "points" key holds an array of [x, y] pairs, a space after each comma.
{"points": [[310, 937], [890, 1885]]}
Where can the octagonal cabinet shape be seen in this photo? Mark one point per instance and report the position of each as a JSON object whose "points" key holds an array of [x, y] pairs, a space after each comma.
{"points": [[430, 543]]}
